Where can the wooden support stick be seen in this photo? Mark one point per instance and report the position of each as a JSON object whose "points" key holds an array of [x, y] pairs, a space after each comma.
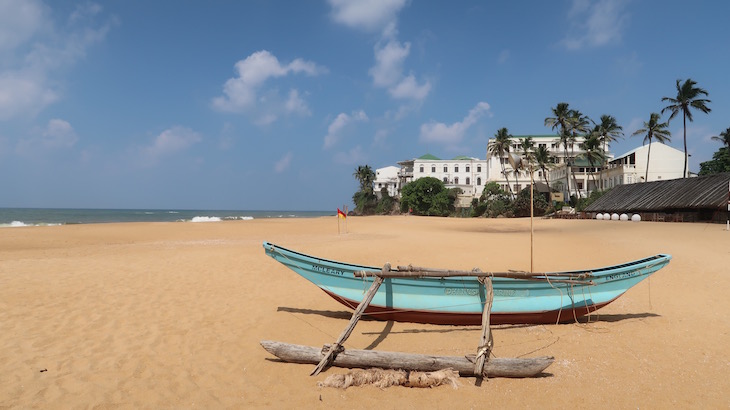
{"points": [[486, 342], [333, 350]]}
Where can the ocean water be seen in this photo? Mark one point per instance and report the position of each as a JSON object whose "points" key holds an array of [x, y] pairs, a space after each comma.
{"points": [[19, 217]]}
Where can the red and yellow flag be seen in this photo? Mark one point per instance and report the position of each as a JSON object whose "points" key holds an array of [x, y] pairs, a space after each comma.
{"points": [[341, 214]]}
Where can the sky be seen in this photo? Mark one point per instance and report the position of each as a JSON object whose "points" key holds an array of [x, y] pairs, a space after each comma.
{"points": [[272, 105]]}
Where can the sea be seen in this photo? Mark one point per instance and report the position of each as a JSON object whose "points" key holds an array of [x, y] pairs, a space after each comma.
{"points": [[20, 217]]}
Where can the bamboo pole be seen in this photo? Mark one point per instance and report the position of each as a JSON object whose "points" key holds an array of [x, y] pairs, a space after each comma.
{"points": [[415, 271], [334, 349], [532, 214], [486, 342]]}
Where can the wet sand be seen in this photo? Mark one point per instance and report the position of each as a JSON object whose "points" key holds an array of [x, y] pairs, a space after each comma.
{"points": [[170, 315]]}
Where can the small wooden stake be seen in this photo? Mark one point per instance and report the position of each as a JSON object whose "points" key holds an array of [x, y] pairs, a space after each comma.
{"points": [[485, 342], [335, 348]]}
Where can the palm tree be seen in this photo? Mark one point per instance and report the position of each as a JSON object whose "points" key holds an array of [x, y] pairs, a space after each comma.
{"points": [[499, 147], [559, 122], [527, 145], [544, 161], [608, 131], [687, 98], [723, 138], [593, 151], [577, 123], [366, 176], [653, 130]]}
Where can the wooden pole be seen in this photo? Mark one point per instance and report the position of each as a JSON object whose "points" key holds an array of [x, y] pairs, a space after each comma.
{"points": [[419, 272], [334, 349], [532, 212], [485, 342]]}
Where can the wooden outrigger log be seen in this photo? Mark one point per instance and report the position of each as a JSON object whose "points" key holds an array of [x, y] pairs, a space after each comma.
{"points": [[363, 359], [478, 365]]}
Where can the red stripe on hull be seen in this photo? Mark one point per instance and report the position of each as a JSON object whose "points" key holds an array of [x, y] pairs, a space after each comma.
{"points": [[471, 319]]}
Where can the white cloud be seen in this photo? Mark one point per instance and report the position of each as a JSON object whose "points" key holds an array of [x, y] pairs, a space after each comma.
{"points": [[295, 104], [595, 24], [388, 72], [370, 15], [351, 157], [170, 141], [334, 131], [33, 48], [282, 164], [452, 134], [19, 21], [57, 134], [389, 59], [409, 89], [252, 72], [24, 93]]}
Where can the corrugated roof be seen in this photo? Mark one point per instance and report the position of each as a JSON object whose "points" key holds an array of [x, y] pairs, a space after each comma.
{"points": [[709, 192]]}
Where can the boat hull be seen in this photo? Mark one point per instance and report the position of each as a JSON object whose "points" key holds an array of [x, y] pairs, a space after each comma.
{"points": [[460, 300]]}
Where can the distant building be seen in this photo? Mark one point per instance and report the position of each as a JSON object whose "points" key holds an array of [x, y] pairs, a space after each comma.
{"points": [[466, 173], [678, 200], [472, 174], [387, 178], [666, 163], [522, 179]]}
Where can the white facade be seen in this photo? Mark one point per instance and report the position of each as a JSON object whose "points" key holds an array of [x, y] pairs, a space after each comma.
{"points": [[466, 173], [522, 179], [386, 178], [665, 163]]}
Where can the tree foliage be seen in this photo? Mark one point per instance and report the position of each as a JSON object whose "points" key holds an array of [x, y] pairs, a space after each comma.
{"points": [[688, 98], [428, 196], [719, 163], [521, 205]]}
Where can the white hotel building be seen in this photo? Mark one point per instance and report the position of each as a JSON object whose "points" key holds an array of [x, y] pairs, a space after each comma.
{"points": [[472, 174]]}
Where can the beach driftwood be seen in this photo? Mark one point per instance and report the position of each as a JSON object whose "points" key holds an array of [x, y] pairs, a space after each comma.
{"points": [[352, 358]]}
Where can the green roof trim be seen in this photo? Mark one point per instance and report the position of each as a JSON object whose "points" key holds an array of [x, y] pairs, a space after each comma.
{"points": [[461, 157], [537, 136], [429, 156]]}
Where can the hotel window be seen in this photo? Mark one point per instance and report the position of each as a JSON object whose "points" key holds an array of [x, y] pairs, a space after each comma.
{"points": [[456, 168], [446, 168], [479, 181], [479, 168], [433, 168], [421, 169], [456, 180], [467, 168], [446, 180], [517, 187], [468, 181], [580, 185]]}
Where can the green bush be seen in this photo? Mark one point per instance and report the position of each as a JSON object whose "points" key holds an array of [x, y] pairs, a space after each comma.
{"points": [[427, 196]]}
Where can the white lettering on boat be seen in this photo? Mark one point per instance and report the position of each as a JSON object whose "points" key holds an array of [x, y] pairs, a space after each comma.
{"points": [[461, 291], [497, 292], [622, 275], [325, 269], [511, 292]]}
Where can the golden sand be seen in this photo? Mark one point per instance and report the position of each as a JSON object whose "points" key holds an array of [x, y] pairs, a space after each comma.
{"points": [[170, 315]]}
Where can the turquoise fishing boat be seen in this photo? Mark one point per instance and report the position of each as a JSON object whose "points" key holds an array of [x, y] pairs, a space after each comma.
{"points": [[551, 297]]}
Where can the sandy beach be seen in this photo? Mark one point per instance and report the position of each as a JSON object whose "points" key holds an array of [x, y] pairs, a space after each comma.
{"points": [[170, 315]]}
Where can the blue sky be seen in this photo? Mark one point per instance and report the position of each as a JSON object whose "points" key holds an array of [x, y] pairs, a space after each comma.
{"points": [[272, 104]]}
